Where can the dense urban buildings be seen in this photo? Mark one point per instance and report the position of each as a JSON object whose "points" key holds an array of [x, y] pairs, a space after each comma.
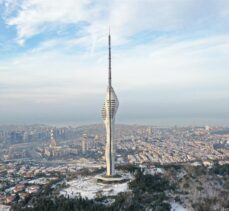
{"points": [[30, 165], [135, 143]]}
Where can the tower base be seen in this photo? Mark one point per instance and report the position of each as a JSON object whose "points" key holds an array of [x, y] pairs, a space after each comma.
{"points": [[111, 179]]}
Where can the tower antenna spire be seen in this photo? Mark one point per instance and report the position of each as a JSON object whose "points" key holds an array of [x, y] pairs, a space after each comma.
{"points": [[109, 59]]}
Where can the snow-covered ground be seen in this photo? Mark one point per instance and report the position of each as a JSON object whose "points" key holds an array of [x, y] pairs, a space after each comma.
{"points": [[90, 188], [42, 180], [177, 207], [38, 181], [196, 163], [154, 171], [4, 208], [9, 190]]}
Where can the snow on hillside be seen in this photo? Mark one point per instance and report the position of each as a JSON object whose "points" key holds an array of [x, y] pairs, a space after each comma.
{"points": [[177, 207], [88, 187]]}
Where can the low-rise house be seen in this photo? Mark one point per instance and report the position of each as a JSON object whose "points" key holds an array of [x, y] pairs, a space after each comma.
{"points": [[19, 188], [33, 189], [10, 199], [23, 195]]}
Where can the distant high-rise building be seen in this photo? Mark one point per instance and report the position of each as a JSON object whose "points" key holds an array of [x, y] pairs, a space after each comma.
{"points": [[108, 113], [207, 128], [95, 142], [52, 143], [149, 131], [84, 143]]}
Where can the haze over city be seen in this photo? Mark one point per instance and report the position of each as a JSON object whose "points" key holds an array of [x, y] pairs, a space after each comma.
{"points": [[170, 61]]}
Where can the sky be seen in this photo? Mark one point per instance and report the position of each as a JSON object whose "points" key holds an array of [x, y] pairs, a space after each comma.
{"points": [[170, 61]]}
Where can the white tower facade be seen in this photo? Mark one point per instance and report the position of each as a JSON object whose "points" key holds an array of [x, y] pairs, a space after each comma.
{"points": [[52, 139], [110, 108]]}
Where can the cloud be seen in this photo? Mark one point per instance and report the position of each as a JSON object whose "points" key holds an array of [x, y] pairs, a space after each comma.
{"points": [[126, 18], [36, 16], [165, 72]]}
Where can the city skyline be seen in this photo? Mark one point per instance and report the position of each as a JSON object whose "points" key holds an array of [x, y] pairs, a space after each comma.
{"points": [[170, 60]]}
